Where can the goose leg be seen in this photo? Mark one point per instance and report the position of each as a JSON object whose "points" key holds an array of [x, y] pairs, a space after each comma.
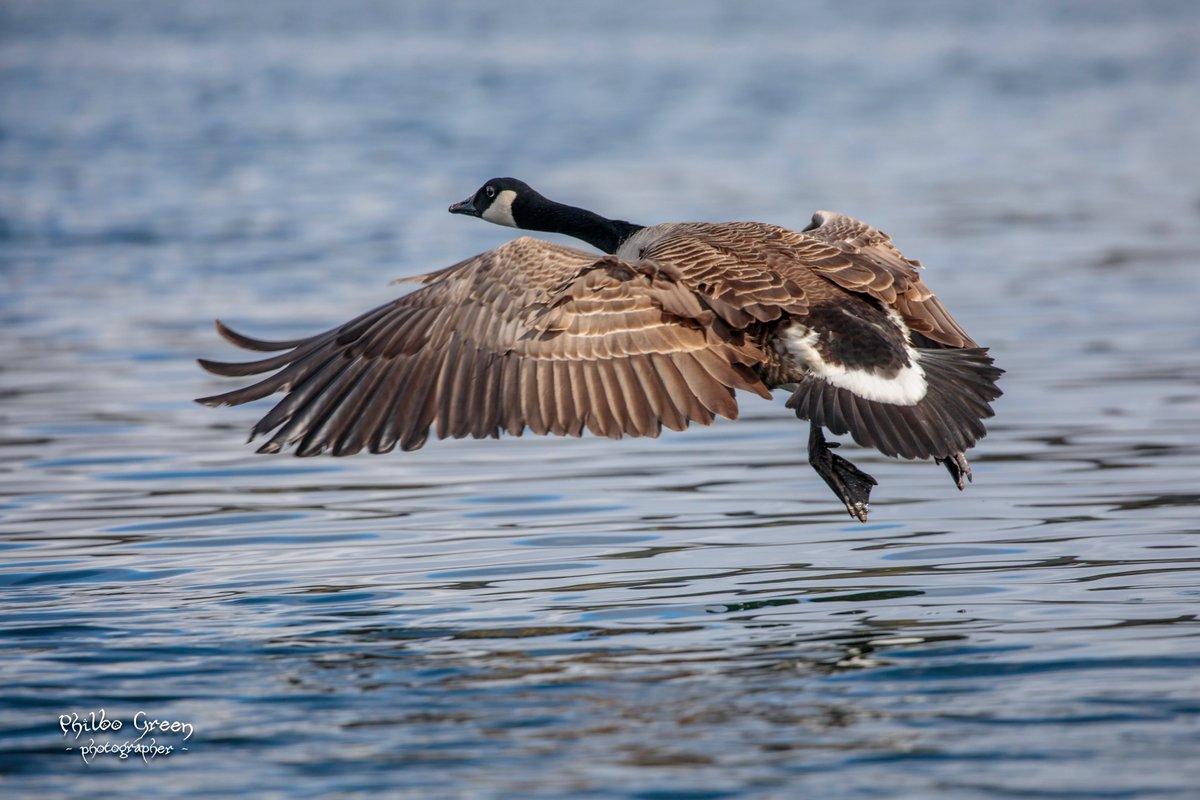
{"points": [[956, 464], [849, 483]]}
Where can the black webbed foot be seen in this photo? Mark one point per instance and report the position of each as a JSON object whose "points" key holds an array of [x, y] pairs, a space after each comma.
{"points": [[958, 468], [849, 483]]}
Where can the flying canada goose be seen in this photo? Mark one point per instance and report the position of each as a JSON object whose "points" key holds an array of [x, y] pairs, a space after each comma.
{"points": [[660, 331]]}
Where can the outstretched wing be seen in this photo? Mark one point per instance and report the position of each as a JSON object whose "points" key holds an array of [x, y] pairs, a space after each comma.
{"points": [[529, 335], [873, 266]]}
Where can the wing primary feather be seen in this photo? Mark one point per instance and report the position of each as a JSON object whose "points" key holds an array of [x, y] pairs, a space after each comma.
{"points": [[715, 397], [616, 402], [305, 392], [564, 401], [656, 394], [641, 413], [547, 402], [395, 407], [300, 419], [370, 398], [248, 343], [451, 352], [600, 420], [485, 413], [530, 401], [420, 405], [464, 391], [679, 392], [511, 409], [579, 394], [424, 372], [240, 369], [332, 408]]}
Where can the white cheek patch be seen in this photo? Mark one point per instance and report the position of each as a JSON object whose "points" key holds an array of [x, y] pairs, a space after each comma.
{"points": [[500, 211], [906, 388]]}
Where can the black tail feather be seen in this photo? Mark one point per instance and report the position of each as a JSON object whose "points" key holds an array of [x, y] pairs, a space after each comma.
{"points": [[944, 423]]}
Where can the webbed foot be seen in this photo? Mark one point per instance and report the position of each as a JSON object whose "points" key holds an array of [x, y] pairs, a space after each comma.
{"points": [[958, 468], [848, 482]]}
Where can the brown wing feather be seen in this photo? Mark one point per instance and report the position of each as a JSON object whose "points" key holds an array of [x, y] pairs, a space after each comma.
{"points": [[750, 272], [530, 334], [872, 265], [743, 270]]}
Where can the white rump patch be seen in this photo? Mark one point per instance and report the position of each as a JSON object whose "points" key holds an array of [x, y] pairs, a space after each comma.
{"points": [[500, 211], [906, 388]]}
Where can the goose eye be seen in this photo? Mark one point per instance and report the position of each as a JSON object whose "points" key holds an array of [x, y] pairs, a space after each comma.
{"points": [[490, 191]]}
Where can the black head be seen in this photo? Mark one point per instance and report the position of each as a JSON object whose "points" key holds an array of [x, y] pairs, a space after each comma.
{"points": [[496, 200], [508, 201]]}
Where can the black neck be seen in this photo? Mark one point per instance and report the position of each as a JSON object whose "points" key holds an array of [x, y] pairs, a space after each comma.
{"points": [[600, 232]]}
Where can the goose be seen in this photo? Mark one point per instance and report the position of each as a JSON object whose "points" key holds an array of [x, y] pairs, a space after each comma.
{"points": [[660, 329]]}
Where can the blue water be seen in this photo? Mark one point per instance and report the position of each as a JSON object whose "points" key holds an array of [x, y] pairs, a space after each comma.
{"points": [[691, 617]]}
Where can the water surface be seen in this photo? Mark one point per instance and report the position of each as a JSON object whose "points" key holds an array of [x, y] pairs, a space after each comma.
{"points": [[691, 617]]}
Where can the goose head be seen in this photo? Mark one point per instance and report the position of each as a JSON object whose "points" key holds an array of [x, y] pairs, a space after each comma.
{"points": [[501, 200], [510, 202]]}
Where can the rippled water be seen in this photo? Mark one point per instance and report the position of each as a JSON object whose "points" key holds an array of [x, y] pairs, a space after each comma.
{"points": [[691, 617]]}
